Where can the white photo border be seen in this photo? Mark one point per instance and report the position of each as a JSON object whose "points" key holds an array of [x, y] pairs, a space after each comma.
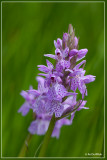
{"points": [[1, 76]]}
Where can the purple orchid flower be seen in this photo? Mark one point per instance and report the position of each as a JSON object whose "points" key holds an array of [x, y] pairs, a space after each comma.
{"points": [[79, 53], [29, 100], [56, 93]]}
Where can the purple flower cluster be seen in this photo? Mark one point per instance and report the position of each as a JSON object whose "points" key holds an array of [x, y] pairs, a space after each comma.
{"points": [[56, 93]]}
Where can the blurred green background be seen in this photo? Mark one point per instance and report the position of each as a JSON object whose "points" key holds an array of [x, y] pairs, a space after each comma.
{"points": [[28, 31]]}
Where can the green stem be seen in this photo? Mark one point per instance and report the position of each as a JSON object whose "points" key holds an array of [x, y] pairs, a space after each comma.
{"points": [[25, 146], [47, 137]]}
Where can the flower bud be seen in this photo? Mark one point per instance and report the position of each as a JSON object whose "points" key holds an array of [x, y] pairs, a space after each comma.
{"points": [[76, 42]]}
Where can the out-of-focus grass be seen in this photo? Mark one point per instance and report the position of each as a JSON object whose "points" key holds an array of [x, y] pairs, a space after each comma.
{"points": [[28, 32]]}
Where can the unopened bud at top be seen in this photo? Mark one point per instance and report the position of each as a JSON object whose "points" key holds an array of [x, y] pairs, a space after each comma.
{"points": [[70, 29]]}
